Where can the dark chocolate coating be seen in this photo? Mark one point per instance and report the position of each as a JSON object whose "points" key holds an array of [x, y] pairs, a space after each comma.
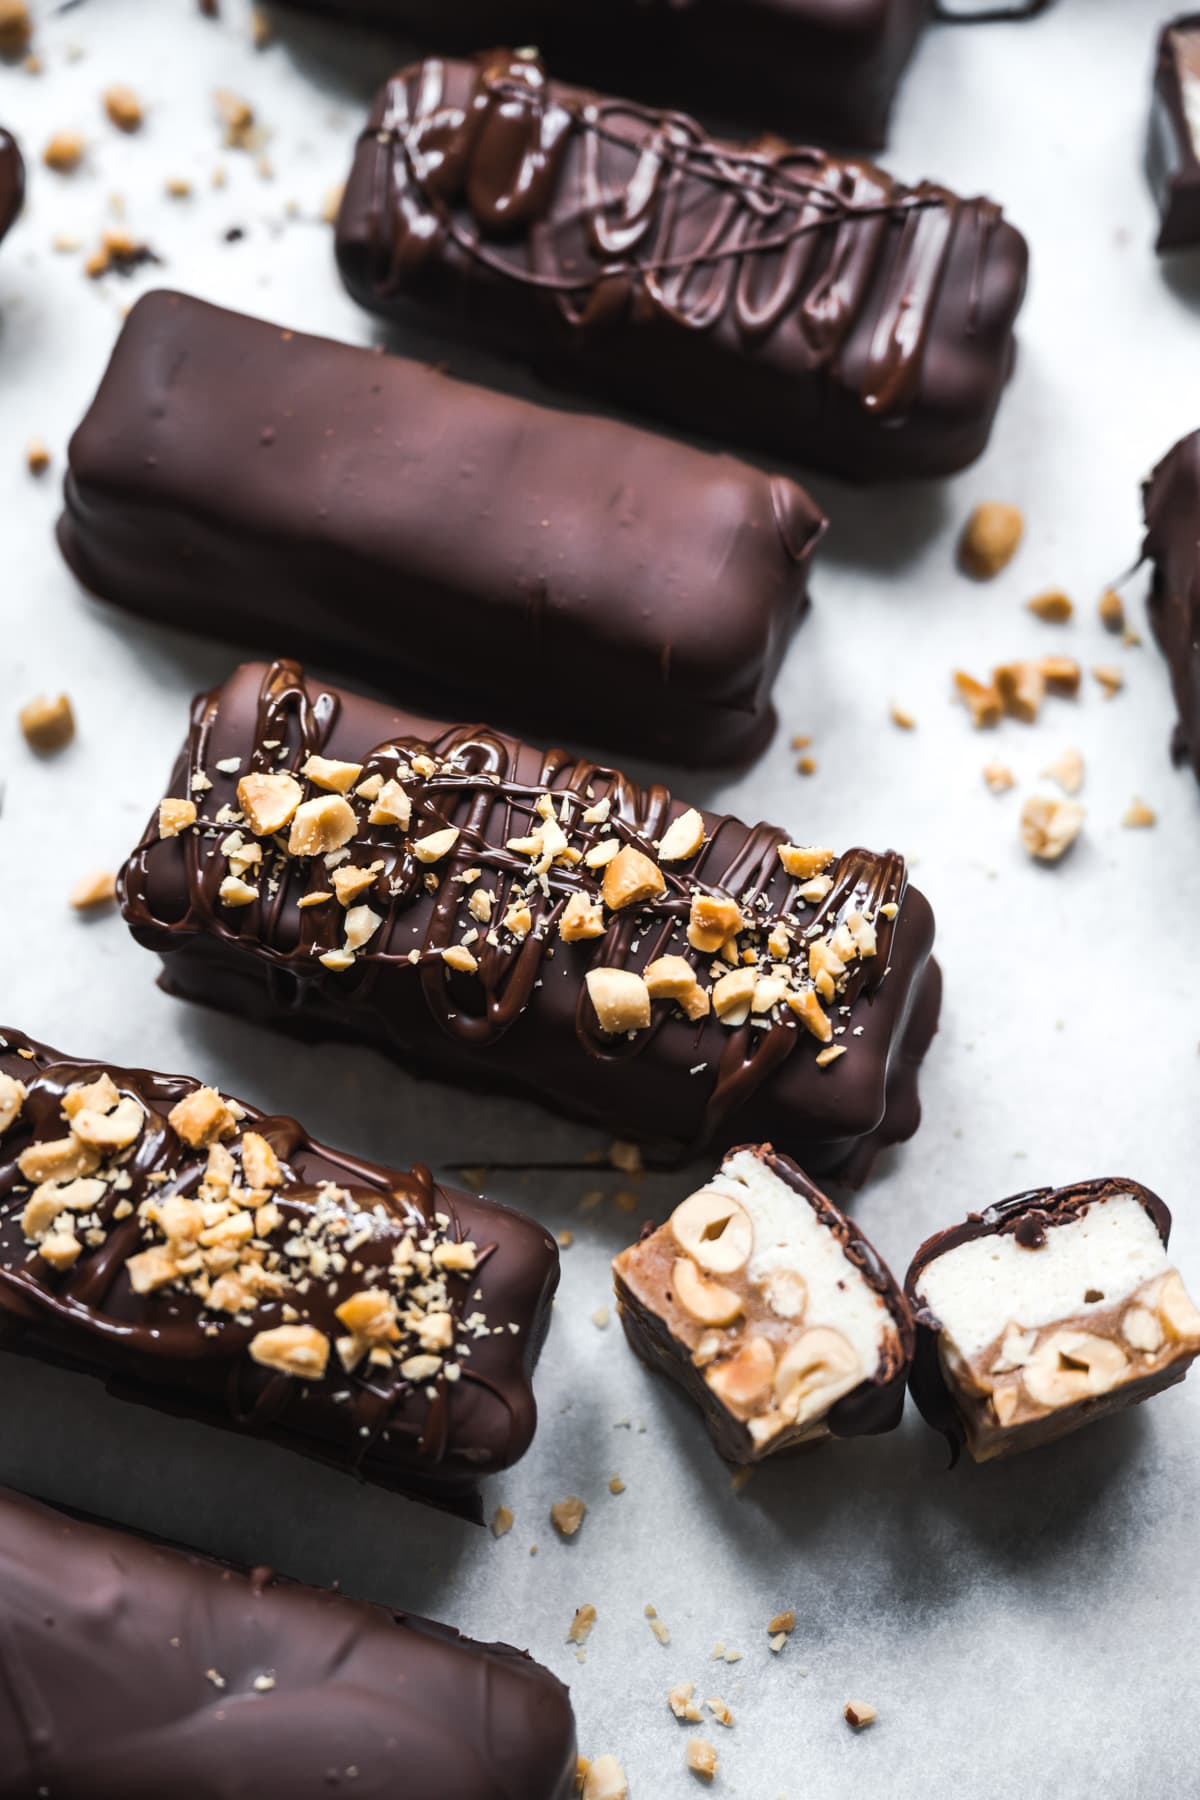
{"points": [[128, 1671], [1025, 1217], [523, 1023], [245, 481], [1172, 154], [1171, 502], [161, 1349], [808, 306], [870, 1409], [825, 69], [12, 180]]}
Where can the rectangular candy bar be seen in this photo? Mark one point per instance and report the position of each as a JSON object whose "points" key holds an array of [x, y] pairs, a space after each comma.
{"points": [[249, 482], [129, 1671], [209, 1261], [12, 180], [518, 919], [771, 1311], [804, 304], [823, 72], [1046, 1312], [1171, 501], [1173, 145]]}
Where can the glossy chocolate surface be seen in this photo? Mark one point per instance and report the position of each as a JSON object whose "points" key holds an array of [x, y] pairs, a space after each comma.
{"points": [[1027, 1217], [242, 480], [806, 305], [1171, 502], [12, 180], [1173, 144], [522, 1021], [129, 1671], [875, 1406], [825, 68], [431, 1438]]}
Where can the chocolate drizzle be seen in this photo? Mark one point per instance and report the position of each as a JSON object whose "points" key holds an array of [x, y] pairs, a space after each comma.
{"points": [[431, 1438], [1026, 1217], [614, 224], [129, 1671], [401, 992], [12, 180]]}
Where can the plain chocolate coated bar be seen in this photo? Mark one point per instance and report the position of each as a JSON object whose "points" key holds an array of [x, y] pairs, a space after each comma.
{"points": [[238, 479], [1046, 1312], [130, 1671], [809, 67], [515, 918], [12, 180], [770, 1309], [1171, 502], [1173, 144], [212, 1262], [807, 305]]}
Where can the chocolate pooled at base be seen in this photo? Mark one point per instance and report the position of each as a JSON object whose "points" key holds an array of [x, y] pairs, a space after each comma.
{"points": [[242, 480], [805, 305], [513, 918], [1173, 141], [826, 71], [12, 180], [130, 1671], [212, 1262], [1171, 505]]}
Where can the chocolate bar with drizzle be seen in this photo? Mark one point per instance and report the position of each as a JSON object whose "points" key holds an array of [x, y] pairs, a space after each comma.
{"points": [[210, 1261], [806, 305], [1173, 143], [130, 1671], [521, 919]]}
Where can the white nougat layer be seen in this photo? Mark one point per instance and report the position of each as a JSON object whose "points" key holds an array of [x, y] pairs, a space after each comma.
{"points": [[788, 1235], [988, 1283]]}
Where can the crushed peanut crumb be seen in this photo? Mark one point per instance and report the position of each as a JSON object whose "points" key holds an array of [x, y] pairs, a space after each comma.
{"points": [[1053, 606], [999, 777], [859, 1713], [1110, 679], [581, 1625], [48, 725], [989, 539], [568, 1515], [123, 107], [502, 1522], [702, 1758], [94, 890], [604, 1779], [37, 456], [64, 151], [1049, 827], [1138, 815]]}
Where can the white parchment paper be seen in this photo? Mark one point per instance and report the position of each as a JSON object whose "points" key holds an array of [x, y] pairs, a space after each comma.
{"points": [[1024, 1630]]}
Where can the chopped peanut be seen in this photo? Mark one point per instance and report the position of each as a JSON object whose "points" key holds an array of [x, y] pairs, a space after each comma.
{"points": [[123, 107], [96, 889], [48, 725], [297, 1350], [269, 802], [1053, 606], [982, 700], [201, 1118], [1050, 827], [990, 538], [582, 918], [714, 919], [1022, 688], [322, 825], [175, 816], [631, 878], [621, 999]]}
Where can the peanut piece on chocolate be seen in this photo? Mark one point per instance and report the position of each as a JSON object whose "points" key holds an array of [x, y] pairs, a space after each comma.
{"points": [[175, 817], [333, 777], [321, 825], [620, 998], [713, 920], [269, 802], [682, 838], [300, 1351], [630, 879], [804, 861], [13, 1094], [582, 918], [202, 1118]]}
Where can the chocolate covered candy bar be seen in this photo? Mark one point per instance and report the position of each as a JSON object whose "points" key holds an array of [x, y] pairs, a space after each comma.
{"points": [[1046, 1312], [807, 305], [12, 180], [826, 72], [1171, 502], [519, 919], [245, 481], [129, 1671], [770, 1309], [1173, 145], [207, 1260]]}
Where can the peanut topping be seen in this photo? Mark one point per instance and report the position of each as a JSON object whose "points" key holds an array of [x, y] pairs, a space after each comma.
{"points": [[812, 1015], [732, 996], [1111, 608], [431, 849], [702, 1758], [630, 879], [604, 1779], [269, 802], [392, 807], [322, 825], [581, 918], [123, 107], [110, 1130], [12, 1100], [989, 539], [714, 919], [261, 1165], [1022, 688], [64, 149], [1067, 770], [1111, 679], [349, 883], [1061, 674], [62, 1159], [1138, 816], [682, 838], [859, 1713], [297, 1350], [233, 891], [620, 998], [334, 777], [202, 1118], [568, 1515], [803, 862], [175, 816], [999, 777], [459, 957], [48, 725], [1050, 827]]}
